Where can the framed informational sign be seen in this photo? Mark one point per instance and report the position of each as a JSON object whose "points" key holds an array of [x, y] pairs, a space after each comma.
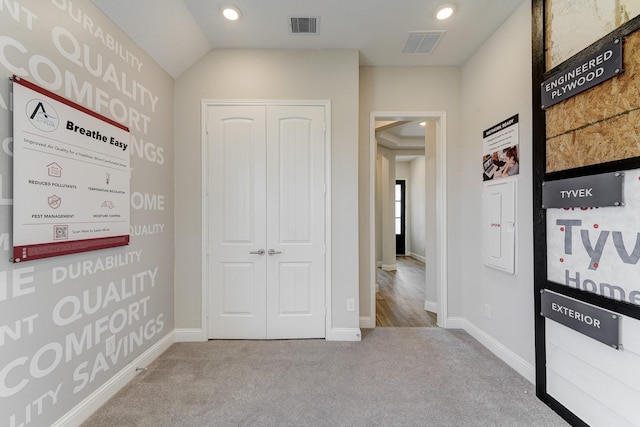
{"points": [[500, 150], [71, 176]]}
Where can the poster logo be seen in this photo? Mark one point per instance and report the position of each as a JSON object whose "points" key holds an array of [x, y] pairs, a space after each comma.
{"points": [[42, 115], [54, 201]]}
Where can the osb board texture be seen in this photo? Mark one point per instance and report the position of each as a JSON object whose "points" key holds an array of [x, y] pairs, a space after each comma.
{"points": [[601, 124], [615, 139]]}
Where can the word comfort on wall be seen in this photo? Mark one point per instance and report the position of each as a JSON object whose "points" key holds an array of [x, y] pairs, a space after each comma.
{"points": [[69, 324]]}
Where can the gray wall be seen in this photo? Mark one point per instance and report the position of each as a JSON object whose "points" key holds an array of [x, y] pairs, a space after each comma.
{"points": [[417, 189], [278, 75], [42, 376], [490, 94]]}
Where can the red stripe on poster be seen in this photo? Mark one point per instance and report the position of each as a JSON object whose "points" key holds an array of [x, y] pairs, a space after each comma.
{"points": [[47, 250]]}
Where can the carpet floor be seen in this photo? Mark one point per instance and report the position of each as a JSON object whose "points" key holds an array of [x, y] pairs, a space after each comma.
{"points": [[394, 377]]}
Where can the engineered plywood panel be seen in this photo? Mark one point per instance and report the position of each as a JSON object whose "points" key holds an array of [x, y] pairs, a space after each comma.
{"points": [[601, 124]]}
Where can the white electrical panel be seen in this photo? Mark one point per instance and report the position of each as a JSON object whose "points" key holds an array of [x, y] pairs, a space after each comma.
{"points": [[499, 224]]}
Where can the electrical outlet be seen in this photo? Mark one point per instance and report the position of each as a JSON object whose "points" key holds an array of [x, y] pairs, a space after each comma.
{"points": [[351, 304], [111, 345], [487, 311]]}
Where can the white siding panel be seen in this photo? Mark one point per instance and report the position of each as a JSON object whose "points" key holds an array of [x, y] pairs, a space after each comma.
{"points": [[630, 335], [621, 365], [581, 404], [597, 383]]}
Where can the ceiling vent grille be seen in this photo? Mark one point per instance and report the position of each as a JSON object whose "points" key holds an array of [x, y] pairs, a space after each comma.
{"points": [[422, 42], [304, 25]]}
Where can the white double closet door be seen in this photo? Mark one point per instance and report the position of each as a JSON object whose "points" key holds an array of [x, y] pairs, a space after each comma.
{"points": [[267, 221]]}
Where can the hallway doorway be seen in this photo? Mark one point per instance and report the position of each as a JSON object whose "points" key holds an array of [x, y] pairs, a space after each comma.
{"points": [[401, 295], [434, 277]]}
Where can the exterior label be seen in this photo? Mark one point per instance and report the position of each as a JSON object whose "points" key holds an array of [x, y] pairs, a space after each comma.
{"points": [[594, 322]]}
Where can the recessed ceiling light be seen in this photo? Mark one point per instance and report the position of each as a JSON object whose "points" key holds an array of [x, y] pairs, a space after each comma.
{"points": [[422, 123], [445, 11], [231, 12]]}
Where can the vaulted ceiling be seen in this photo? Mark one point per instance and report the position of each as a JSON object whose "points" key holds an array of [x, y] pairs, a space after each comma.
{"points": [[176, 33]]}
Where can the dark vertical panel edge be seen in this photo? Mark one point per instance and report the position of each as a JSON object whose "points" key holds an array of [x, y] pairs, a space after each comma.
{"points": [[539, 166], [539, 156]]}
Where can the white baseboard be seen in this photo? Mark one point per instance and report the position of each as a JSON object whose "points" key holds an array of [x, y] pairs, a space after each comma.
{"points": [[344, 334], [367, 322], [431, 306], [189, 335], [454, 323], [418, 257], [507, 356], [389, 267], [95, 400], [379, 264]]}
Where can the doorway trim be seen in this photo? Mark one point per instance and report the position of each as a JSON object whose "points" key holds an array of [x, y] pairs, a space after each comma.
{"points": [[441, 261], [329, 333]]}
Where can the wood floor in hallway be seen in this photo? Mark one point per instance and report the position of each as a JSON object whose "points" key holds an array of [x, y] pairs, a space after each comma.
{"points": [[400, 301]]}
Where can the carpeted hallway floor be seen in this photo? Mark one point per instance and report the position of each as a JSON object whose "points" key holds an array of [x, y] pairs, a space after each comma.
{"points": [[394, 377]]}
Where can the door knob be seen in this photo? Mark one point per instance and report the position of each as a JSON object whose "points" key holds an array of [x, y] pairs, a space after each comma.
{"points": [[272, 252], [260, 252]]}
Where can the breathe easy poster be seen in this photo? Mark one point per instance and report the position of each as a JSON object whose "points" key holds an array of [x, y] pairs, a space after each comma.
{"points": [[71, 177]]}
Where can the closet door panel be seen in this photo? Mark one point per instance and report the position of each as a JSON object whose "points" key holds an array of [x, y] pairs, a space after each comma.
{"points": [[237, 231], [295, 222]]}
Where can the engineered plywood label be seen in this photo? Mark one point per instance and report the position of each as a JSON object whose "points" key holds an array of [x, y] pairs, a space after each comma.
{"points": [[586, 73]]}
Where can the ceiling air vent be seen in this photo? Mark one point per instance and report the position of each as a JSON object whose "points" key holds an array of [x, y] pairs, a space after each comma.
{"points": [[422, 42], [304, 25]]}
